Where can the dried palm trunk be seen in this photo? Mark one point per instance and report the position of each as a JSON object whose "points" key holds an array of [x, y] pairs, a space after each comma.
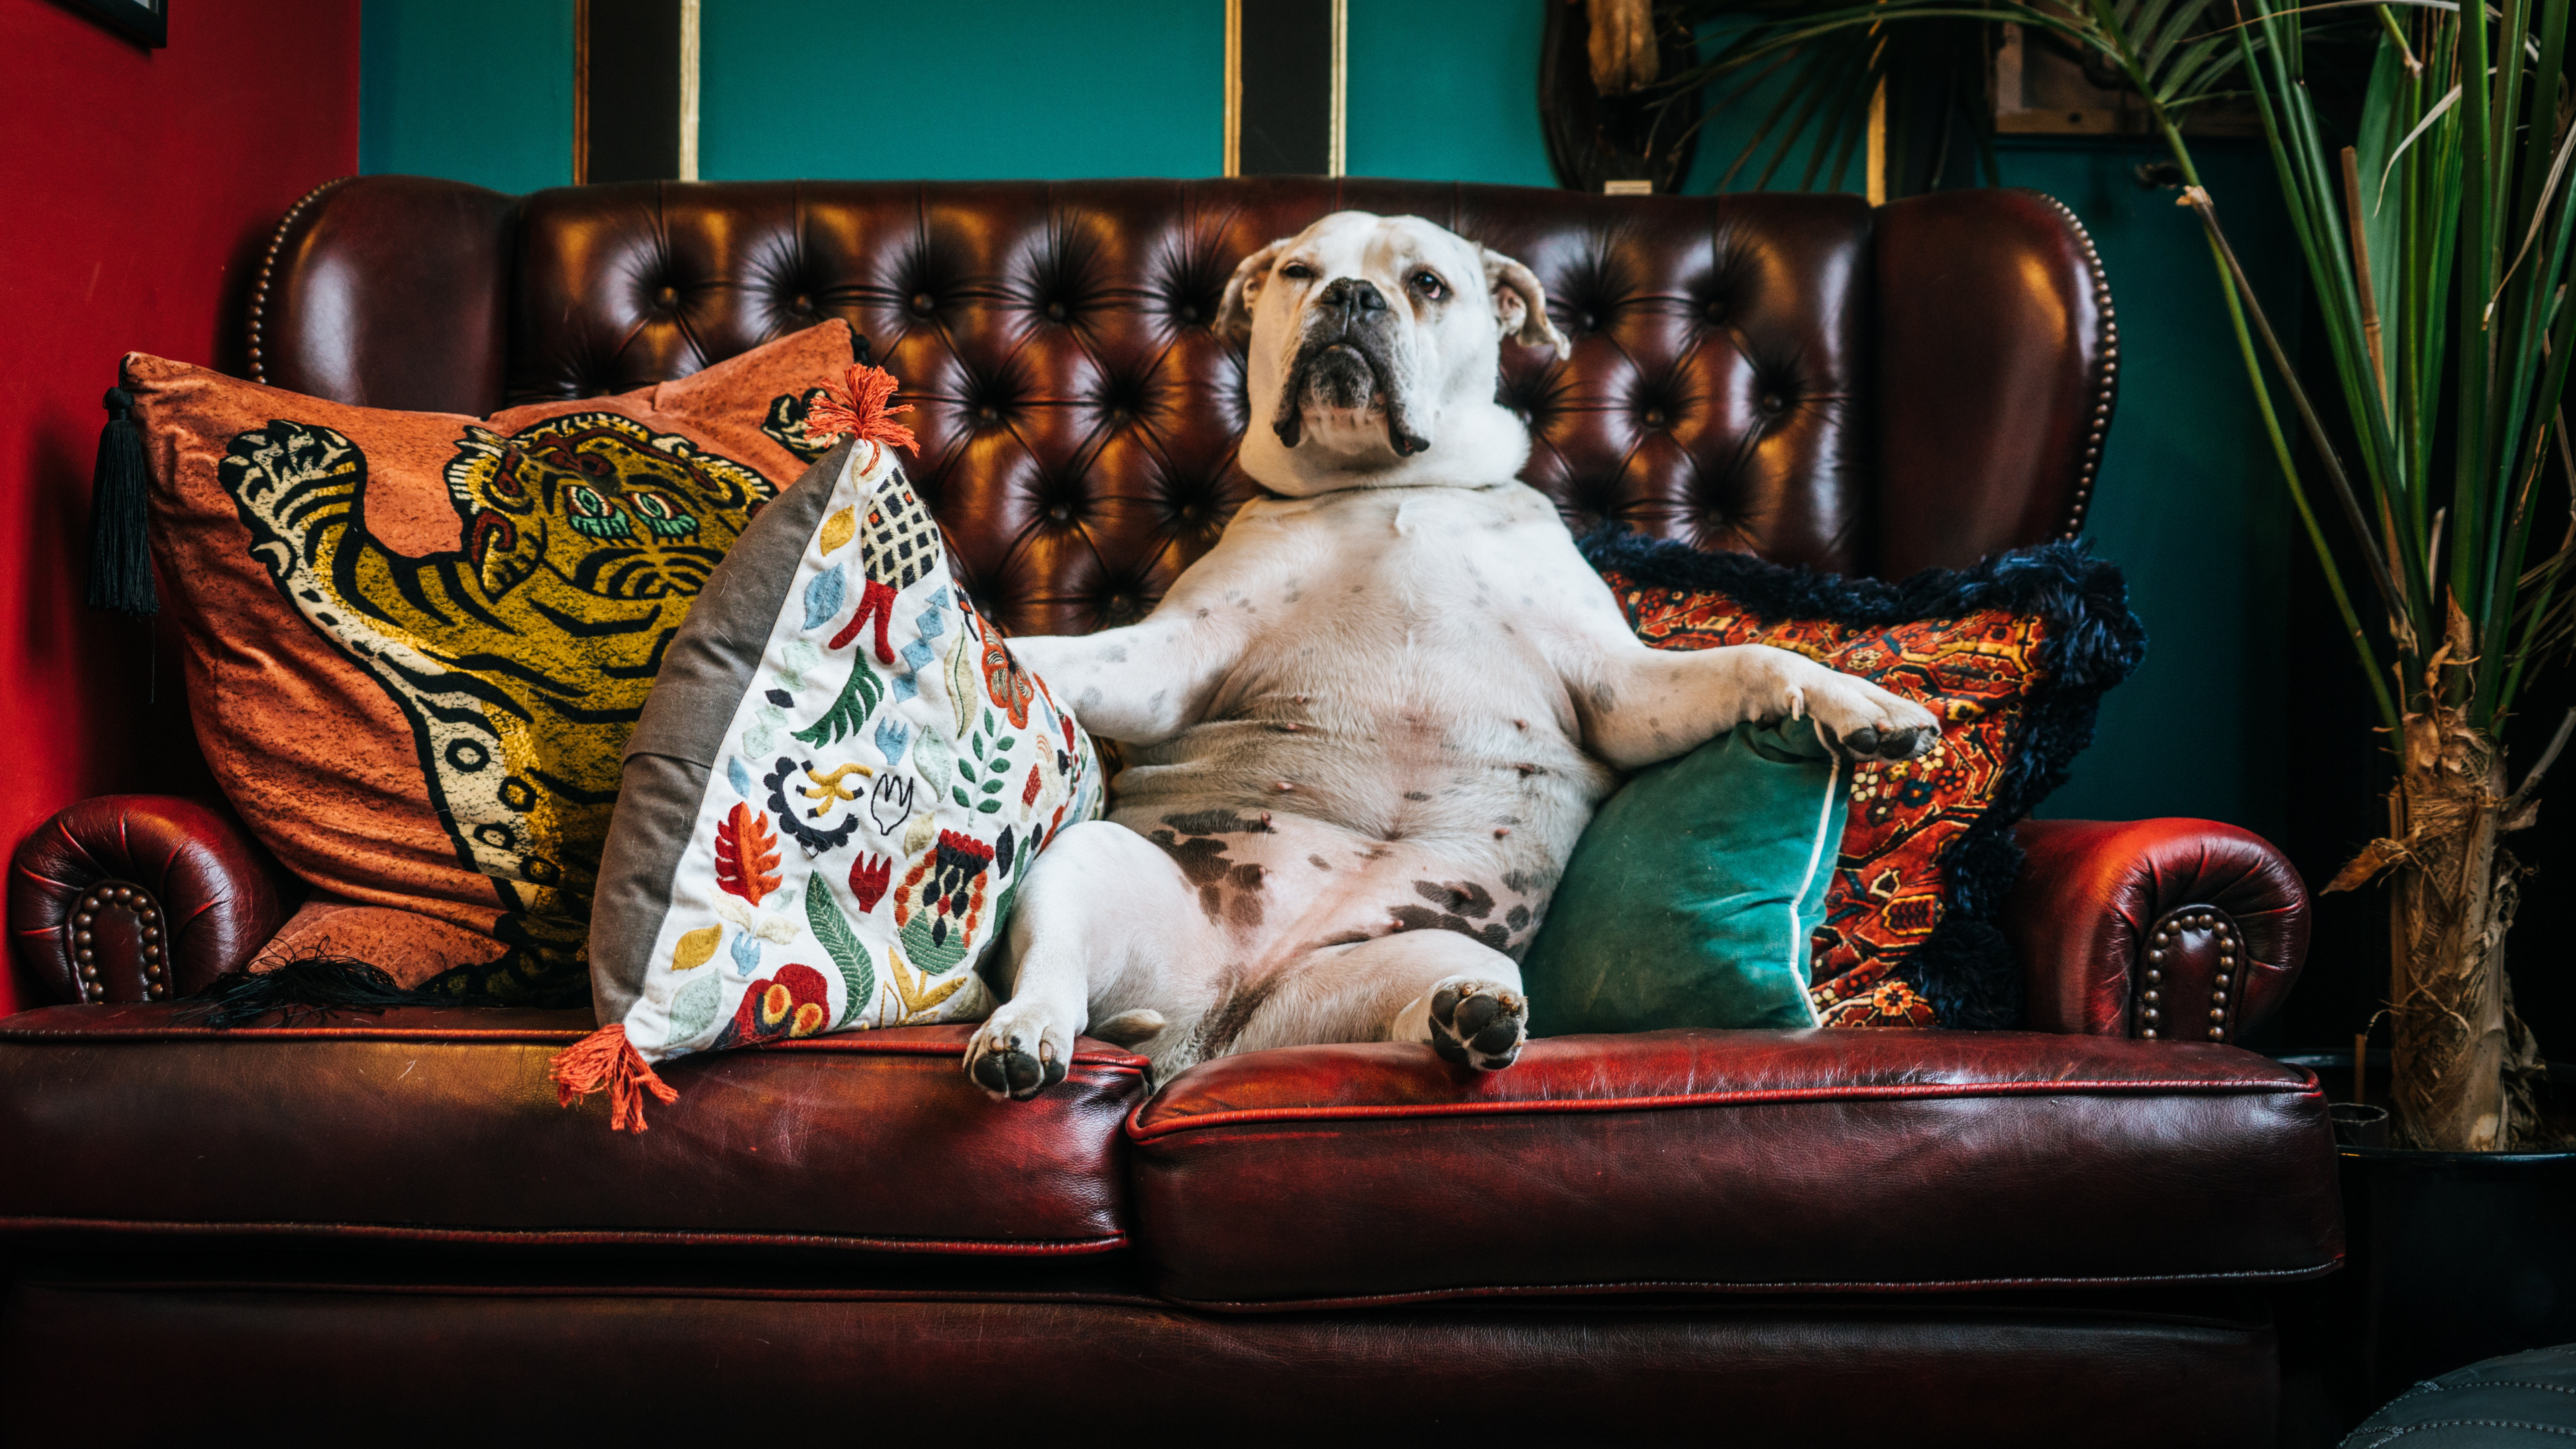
{"points": [[2454, 898]]}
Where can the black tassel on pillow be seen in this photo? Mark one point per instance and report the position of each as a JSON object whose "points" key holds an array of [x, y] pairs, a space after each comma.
{"points": [[120, 542], [312, 985]]}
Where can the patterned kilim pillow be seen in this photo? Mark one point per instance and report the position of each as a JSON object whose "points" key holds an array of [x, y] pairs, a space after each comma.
{"points": [[2014, 655], [416, 641], [835, 791]]}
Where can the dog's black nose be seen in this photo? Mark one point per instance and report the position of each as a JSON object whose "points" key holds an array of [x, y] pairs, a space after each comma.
{"points": [[1353, 294]]}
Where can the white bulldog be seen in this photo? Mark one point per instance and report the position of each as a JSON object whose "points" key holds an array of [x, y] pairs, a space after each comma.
{"points": [[1365, 730]]}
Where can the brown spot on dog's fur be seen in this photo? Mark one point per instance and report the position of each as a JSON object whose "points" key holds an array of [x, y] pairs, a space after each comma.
{"points": [[1517, 917], [1203, 861], [1220, 822], [1466, 897], [1318, 862], [1418, 918], [1219, 1028]]}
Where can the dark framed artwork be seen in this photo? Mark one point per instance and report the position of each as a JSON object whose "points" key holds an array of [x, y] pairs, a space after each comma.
{"points": [[1286, 72], [145, 22]]}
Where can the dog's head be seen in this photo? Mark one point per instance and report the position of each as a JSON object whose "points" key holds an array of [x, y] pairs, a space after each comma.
{"points": [[1373, 345]]}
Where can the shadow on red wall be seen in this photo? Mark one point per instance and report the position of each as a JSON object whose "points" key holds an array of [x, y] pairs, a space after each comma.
{"points": [[139, 189]]}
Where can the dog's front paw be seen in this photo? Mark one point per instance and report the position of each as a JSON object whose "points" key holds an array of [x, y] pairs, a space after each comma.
{"points": [[1019, 1052], [1866, 722], [1477, 1023]]}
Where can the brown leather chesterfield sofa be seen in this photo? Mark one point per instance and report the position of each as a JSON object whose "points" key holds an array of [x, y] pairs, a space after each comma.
{"points": [[381, 1228]]}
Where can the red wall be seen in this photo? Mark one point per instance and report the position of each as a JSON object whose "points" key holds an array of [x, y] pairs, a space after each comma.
{"points": [[137, 189]]}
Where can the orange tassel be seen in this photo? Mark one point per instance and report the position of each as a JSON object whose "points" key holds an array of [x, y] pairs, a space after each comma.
{"points": [[606, 1060], [862, 411]]}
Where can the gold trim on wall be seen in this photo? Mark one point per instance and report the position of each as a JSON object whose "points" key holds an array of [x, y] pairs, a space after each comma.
{"points": [[580, 92], [689, 90], [1335, 142], [1341, 80], [1878, 145], [1233, 86]]}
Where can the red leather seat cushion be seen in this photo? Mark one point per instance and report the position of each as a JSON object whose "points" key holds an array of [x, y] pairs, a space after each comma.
{"points": [[441, 1125], [1752, 1161]]}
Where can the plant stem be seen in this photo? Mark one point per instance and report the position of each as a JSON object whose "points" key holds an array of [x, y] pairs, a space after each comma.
{"points": [[2326, 562]]}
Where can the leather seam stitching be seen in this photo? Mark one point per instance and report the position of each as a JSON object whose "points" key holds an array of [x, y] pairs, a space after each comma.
{"points": [[986, 1247], [1140, 1131], [1678, 1285]]}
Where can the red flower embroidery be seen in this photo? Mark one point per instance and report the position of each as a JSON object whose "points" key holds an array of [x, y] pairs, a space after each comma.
{"points": [[792, 1003], [869, 876]]}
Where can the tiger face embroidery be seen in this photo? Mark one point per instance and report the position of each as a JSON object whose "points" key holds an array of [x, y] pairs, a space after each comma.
{"points": [[522, 657]]}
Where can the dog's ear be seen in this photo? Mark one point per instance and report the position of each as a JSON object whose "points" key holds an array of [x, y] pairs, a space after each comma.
{"points": [[1520, 303], [1234, 313]]}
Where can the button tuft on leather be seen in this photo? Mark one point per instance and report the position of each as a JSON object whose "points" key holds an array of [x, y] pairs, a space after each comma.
{"points": [[922, 303], [1055, 311]]}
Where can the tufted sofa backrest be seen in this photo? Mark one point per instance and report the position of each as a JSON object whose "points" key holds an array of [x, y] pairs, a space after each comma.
{"points": [[1799, 376]]}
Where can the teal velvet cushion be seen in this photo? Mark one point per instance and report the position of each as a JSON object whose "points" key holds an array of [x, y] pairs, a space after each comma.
{"points": [[1692, 896]]}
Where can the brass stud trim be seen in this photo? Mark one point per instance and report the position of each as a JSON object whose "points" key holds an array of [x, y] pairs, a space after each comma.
{"points": [[2106, 371]]}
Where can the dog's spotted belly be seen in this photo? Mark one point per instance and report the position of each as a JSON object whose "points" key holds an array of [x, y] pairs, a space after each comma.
{"points": [[1281, 886]]}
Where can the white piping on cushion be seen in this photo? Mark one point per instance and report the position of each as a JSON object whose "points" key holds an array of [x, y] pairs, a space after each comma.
{"points": [[1798, 945]]}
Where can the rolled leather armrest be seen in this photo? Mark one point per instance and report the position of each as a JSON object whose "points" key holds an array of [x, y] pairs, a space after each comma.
{"points": [[2181, 930], [138, 898]]}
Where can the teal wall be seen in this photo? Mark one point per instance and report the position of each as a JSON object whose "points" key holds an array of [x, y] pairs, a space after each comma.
{"points": [[2190, 501], [960, 90], [478, 90], [1445, 90]]}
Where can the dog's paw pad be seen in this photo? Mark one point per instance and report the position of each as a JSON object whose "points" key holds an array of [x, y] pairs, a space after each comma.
{"points": [[1478, 1026], [1010, 1065], [1867, 743]]}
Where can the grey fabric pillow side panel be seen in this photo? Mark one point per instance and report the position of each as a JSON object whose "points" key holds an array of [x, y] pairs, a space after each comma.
{"points": [[672, 752]]}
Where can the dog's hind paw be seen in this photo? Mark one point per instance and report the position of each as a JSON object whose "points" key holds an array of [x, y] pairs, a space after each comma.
{"points": [[1478, 1024]]}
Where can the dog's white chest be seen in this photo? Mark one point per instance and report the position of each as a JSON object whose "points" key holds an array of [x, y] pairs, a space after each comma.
{"points": [[1392, 680]]}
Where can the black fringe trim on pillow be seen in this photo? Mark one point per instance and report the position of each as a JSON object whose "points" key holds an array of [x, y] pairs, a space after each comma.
{"points": [[1965, 968], [302, 986]]}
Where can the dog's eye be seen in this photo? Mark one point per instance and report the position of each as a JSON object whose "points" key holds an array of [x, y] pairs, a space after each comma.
{"points": [[1298, 271], [1430, 286]]}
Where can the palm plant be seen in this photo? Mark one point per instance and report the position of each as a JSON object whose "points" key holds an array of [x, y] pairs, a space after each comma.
{"points": [[2437, 248]]}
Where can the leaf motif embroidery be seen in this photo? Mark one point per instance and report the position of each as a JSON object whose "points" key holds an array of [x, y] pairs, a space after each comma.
{"points": [[965, 691], [824, 595], [848, 952], [746, 952], [696, 948], [837, 530], [858, 700], [746, 856], [694, 1009], [740, 777]]}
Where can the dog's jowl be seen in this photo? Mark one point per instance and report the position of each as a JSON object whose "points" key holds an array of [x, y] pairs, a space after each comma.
{"points": [[1364, 732]]}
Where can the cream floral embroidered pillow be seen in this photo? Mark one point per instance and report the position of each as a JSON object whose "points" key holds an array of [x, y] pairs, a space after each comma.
{"points": [[838, 782]]}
